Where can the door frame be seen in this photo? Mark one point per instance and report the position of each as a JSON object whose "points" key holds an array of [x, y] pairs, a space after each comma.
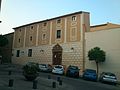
{"points": [[57, 55]]}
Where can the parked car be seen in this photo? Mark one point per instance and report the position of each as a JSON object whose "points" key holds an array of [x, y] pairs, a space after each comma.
{"points": [[45, 67], [90, 74], [58, 69], [72, 71], [108, 77]]}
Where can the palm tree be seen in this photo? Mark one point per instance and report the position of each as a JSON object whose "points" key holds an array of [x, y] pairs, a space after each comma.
{"points": [[97, 55]]}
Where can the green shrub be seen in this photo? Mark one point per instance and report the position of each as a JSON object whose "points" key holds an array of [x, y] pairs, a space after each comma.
{"points": [[30, 71]]}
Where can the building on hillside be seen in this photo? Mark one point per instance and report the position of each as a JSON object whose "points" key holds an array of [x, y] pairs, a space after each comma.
{"points": [[58, 40], [6, 51], [107, 37]]}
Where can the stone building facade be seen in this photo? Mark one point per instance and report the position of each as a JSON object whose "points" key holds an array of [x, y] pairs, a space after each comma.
{"points": [[58, 40]]}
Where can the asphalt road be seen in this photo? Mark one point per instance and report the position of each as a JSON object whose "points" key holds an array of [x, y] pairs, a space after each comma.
{"points": [[45, 83], [80, 84]]}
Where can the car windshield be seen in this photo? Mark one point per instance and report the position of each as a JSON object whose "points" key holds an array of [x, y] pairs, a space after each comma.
{"points": [[109, 74], [73, 67], [58, 67], [90, 71], [43, 65]]}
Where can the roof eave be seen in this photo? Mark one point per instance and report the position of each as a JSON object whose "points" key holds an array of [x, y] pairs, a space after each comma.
{"points": [[79, 12]]}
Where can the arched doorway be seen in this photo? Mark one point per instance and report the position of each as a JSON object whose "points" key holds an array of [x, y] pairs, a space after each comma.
{"points": [[57, 55]]}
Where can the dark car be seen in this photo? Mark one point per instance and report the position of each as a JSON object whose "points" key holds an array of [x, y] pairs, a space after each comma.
{"points": [[108, 77], [90, 74], [72, 71]]}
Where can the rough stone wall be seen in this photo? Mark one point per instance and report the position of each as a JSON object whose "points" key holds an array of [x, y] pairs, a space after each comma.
{"points": [[71, 54]]}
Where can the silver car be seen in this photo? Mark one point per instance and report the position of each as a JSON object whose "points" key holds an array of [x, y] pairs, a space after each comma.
{"points": [[108, 77], [45, 67]]}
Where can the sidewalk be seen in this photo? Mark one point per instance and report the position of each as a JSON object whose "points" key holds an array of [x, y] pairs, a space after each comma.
{"points": [[12, 67], [20, 82]]}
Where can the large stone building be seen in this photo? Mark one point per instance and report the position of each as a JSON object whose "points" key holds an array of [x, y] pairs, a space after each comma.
{"points": [[107, 37], [66, 40], [58, 40]]}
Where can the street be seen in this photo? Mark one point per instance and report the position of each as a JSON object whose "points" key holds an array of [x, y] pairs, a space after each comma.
{"points": [[79, 84], [46, 84]]}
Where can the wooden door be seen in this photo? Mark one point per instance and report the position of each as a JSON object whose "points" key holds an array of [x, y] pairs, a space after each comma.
{"points": [[57, 55]]}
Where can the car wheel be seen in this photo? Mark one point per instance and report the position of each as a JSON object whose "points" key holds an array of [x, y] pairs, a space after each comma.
{"points": [[67, 74], [115, 84], [77, 75], [83, 77]]}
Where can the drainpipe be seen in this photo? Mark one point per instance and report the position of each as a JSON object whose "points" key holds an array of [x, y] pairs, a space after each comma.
{"points": [[83, 40]]}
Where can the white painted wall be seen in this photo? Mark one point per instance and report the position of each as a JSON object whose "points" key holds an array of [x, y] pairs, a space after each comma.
{"points": [[109, 41]]}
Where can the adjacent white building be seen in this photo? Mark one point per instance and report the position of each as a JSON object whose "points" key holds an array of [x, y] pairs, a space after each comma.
{"points": [[107, 37]]}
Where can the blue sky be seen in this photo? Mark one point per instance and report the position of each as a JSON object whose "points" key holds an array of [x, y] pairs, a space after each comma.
{"points": [[19, 12]]}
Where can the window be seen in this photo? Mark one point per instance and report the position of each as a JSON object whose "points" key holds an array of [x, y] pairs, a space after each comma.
{"points": [[19, 40], [20, 30], [45, 24], [30, 38], [18, 53], [58, 21], [31, 27], [73, 18], [58, 34], [29, 52], [44, 36], [73, 31], [73, 34]]}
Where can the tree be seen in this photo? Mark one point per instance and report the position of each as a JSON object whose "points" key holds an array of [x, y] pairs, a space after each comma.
{"points": [[3, 41], [30, 71], [97, 55]]}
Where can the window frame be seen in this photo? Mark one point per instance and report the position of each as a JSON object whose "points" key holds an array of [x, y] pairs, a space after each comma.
{"points": [[29, 52], [18, 53], [58, 21], [45, 24], [20, 29], [43, 36], [31, 38], [19, 40], [58, 34], [32, 27], [74, 18]]}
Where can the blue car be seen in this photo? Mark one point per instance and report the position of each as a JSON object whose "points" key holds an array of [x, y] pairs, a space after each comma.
{"points": [[90, 74], [72, 71]]}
